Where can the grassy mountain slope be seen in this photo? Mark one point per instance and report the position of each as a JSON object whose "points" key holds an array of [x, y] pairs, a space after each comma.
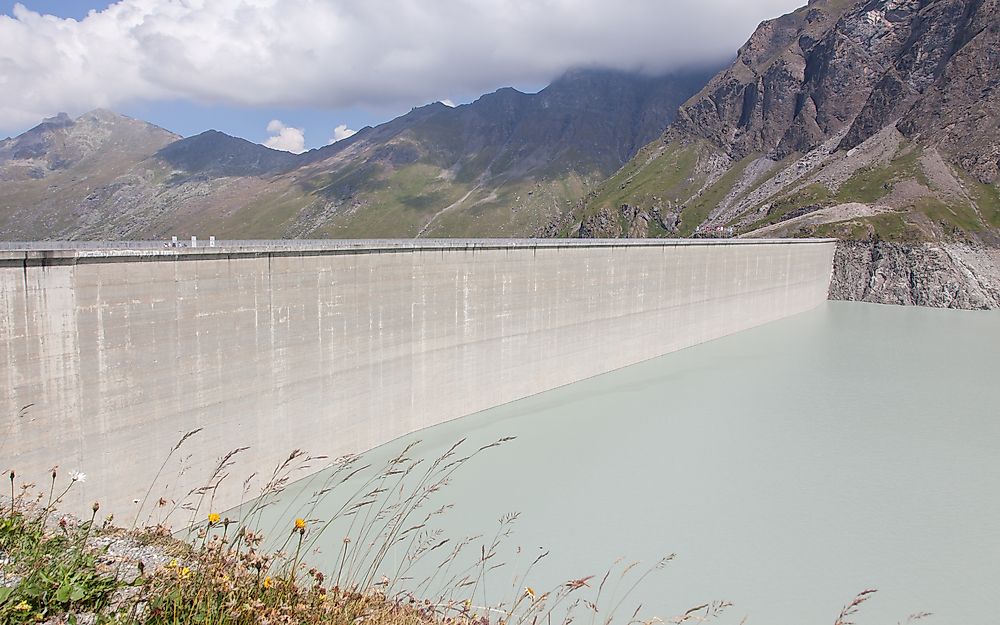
{"points": [[509, 164], [50, 176]]}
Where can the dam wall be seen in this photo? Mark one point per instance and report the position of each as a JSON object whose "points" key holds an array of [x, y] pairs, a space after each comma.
{"points": [[336, 347]]}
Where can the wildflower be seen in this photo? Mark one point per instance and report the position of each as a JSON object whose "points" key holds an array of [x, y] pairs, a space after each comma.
{"points": [[267, 582], [77, 476], [22, 607], [213, 518], [529, 592], [172, 564], [300, 524], [185, 573]]}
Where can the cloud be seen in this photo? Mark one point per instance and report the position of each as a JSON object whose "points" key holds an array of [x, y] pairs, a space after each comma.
{"points": [[285, 138], [447, 103], [342, 132], [343, 53]]}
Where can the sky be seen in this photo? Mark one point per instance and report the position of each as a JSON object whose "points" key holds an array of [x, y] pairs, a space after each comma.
{"points": [[298, 74]]}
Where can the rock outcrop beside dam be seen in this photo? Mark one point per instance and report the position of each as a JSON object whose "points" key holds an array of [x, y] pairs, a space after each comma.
{"points": [[336, 348], [940, 275]]}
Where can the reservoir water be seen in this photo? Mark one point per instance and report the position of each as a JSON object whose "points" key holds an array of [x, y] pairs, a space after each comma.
{"points": [[789, 467]]}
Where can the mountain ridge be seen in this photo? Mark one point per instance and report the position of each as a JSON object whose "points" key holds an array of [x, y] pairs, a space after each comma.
{"points": [[507, 164]]}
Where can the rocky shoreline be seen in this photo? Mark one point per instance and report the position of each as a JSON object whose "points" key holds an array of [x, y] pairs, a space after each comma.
{"points": [[938, 275]]}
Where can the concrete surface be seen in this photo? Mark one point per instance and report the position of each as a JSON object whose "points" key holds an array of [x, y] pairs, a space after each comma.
{"points": [[335, 348]]}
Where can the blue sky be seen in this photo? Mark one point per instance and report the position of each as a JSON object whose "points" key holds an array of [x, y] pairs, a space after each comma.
{"points": [[316, 65], [76, 9]]}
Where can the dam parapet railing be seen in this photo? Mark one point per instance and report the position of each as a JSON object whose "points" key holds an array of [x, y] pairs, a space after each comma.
{"points": [[336, 347], [84, 249]]}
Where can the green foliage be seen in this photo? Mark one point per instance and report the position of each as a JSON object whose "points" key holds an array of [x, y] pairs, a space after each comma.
{"points": [[886, 226], [959, 217], [871, 184], [651, 179], [57, 573], [699, 210], [807, 196], [988, 199]]}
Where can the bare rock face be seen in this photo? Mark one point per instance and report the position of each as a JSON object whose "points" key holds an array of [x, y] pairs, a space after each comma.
{"points": [[928, 274], [836, 67], [960, 112], [602, 225]]}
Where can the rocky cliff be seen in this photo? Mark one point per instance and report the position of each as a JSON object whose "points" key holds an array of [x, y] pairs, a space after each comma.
{"points": [[940, 275]]}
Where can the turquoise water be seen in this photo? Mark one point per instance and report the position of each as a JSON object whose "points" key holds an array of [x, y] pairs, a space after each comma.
{"points": [[788, 467]]}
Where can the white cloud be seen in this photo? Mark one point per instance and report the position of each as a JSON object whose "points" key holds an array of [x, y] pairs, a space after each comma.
{"points": [[447, 103], [285, 138], [344, 53], [342, 132]]}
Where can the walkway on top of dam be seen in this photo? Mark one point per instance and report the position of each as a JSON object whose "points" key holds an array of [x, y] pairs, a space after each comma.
{"points": [[69, 250]]}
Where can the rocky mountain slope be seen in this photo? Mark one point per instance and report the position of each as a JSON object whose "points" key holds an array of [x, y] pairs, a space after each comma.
{"points": [[49, 175], [871, 120], [508, 164]]}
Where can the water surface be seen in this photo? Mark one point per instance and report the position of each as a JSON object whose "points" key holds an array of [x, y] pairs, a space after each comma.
{"points": [[789, 467]]}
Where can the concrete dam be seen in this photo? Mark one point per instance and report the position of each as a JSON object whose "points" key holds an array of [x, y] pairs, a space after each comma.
{"points": [[336, 347]]}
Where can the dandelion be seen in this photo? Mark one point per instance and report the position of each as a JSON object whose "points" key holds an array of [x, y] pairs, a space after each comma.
{"points": [[267, 582], [213, 518], [300, 524], [77, 476], [185, 573]]}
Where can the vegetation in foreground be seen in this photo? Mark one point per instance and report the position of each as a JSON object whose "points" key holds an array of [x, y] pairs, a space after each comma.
{"points": [[56, 569]]}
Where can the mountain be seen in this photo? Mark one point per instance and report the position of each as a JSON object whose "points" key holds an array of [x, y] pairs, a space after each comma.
{"points": [[508, 164], [215, 154], [48, 173], [878, 118]]}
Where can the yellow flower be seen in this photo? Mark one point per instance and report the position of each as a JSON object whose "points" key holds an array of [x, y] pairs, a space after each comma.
{"points": [[213, 518], [267, 582], [22, 607], [300, 524], [185, 573], [172, 564]]}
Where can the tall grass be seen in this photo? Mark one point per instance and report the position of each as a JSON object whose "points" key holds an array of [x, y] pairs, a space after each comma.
{"points": [[231, 570]]}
